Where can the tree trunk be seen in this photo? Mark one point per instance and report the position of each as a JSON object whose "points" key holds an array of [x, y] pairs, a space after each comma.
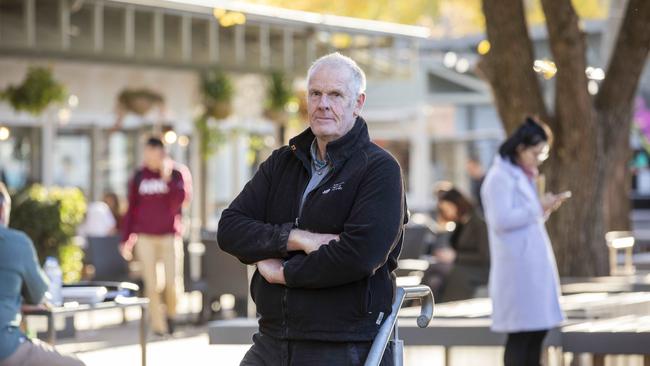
{"points": [[618, 177], [509, 65], [591, 149], [576, 229], [614, 106]]}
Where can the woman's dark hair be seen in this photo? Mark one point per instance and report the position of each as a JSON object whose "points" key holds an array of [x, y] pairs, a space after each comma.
{"points": [[530, 133], [114, 206], [462, 203]]}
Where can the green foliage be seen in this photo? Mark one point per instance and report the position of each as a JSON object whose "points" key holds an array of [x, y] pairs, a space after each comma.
{"points": [[37, 92], [443, 17], [279, 91], [216, 87], [50, 218], [217, 91], [210, 136]]}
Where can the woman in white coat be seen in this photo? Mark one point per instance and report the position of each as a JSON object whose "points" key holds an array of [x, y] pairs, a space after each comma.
{"points": [[523, 283]]}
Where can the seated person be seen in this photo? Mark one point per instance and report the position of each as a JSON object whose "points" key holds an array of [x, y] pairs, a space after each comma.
{"points": [[469, 240], [21, 275]]}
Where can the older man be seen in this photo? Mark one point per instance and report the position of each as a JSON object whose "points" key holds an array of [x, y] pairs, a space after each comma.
{"points": [[21, 276], [323, 220]]}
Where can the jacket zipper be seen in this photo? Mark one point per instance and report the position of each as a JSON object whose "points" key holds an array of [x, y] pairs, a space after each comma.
{"points": [[310, 194], [296, 224], [285, 294]]}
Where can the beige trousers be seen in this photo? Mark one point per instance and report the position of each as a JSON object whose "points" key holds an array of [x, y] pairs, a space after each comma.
{"points": [[37, 353], [161, 257]]}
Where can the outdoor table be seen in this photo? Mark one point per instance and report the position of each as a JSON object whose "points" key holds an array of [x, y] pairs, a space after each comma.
{"points": [[74, 308], [628, 334], [633, 283], [467, 322], [576, 306]]}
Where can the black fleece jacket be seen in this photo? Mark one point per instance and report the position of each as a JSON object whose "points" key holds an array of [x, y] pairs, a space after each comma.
{"points": [[344, 290]]}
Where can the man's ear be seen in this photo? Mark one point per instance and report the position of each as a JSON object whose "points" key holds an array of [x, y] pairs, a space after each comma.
{"points": [[361, 100]]}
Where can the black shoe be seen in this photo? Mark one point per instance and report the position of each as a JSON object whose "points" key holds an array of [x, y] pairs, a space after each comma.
{"points": [[171, 326]]}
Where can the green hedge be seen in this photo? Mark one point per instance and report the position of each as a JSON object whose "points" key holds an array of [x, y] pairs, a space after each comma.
{"points": [[50, 216]]}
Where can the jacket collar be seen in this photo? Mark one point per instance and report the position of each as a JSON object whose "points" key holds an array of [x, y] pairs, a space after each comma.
{"points": [[338, 151], [508, 166], [523, 181]]}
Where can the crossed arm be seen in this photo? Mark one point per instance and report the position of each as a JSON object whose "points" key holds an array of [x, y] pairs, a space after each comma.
{"points": [[371, 231], [272, 269]]}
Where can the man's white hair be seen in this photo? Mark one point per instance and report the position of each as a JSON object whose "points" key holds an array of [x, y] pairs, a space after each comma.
{"points": [[358, 86]]}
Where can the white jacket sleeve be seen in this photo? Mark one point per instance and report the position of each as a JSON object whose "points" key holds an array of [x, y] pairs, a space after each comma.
{"points": [[501, 211]]}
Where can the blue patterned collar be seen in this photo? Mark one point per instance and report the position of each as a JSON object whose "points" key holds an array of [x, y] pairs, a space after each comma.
{"points": [[318, 164]]}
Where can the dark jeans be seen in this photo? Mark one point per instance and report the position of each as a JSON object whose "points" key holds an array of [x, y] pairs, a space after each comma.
{"points": [[524, 348], [269, 351]]}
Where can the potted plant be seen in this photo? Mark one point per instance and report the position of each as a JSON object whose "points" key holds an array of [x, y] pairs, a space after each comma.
{"points": [[36, 92], [278, 95], [217, 91], [139, 101]]}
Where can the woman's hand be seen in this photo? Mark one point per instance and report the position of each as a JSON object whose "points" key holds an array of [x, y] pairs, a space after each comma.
{"points": [[551, 202]]}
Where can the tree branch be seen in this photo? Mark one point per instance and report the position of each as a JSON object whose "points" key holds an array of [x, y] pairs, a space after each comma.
{"points": [[509, 64], [572, 100], [628, 58]]}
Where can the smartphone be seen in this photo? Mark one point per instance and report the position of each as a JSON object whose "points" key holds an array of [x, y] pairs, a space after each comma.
{"points": [[564, 195]]}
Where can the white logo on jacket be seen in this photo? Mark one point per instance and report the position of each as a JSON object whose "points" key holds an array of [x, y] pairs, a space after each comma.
{"points": [[334, 187], [153, 186]]}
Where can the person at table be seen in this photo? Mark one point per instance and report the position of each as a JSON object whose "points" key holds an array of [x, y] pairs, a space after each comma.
{"points": [[21, 276], [469, 240], [524, 282]]}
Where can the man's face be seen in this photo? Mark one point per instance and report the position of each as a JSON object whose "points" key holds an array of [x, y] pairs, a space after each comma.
{"points": [[153, 157], [332, 105]]}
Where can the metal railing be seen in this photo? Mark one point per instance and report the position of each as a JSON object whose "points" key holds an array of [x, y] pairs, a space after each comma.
{"points": [[390, 324]]}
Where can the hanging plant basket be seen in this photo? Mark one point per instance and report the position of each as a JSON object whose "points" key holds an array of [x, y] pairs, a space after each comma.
{"points": [[37, 92], [217, 91], [278, 94], [139, 101], [220, 110], [280, 117]]}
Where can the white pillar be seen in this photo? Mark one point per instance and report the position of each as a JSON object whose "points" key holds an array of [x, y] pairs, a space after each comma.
{"points": [[265, 48], [420, 163], [98, 27], [311, 49], [64, 24], [29, 12], [197, 190], [213, 40], [99, 140], [48, 137], [129, 31], [186, 37], [288, 48], [158, 34], [240, 44]]}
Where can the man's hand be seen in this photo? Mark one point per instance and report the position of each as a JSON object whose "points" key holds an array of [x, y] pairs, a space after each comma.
{"points": [[166, 169], [272, 271], [126, 251], [308, 241]]}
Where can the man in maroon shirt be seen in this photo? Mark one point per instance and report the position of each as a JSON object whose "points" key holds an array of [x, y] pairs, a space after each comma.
{"points": [[152, 225]]}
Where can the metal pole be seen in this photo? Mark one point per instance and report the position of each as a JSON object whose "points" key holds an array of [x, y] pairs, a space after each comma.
{"points": [[390, 324], [143, 334]]}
